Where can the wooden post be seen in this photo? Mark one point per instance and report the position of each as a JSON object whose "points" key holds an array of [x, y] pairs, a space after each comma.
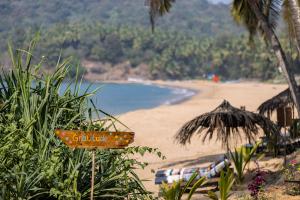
{"points": [[293, 111], [285, 145], [93, 174]]}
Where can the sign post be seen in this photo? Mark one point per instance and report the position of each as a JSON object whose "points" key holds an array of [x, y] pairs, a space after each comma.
{"points": [[93, 174], [95, 140]]}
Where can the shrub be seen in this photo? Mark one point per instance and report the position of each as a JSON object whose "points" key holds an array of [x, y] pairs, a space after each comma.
{"points": [[225, 184], [175, 191], [241, 158], [256, 187], [292, 173], [34, 163]]}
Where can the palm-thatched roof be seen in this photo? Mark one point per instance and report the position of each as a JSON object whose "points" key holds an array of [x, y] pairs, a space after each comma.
{"points": [[227, 122], [282, 99]]}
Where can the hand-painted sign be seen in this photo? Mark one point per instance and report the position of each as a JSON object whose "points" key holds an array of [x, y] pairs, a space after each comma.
{"points": [[95, 139]]}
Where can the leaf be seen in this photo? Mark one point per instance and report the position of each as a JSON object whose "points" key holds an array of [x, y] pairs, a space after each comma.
{"points": [[198, 184], [212, 195]]}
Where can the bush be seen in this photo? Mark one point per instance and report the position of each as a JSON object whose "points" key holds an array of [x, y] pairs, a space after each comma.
{"points": [[292, 173], [241, 158], [176, 191], [225, 185], [257, 186], [34, 163]]}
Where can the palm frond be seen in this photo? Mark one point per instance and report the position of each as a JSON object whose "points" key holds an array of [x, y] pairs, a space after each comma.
{"points": [[244, 15], [228, 123], [158, 8], [272, 9]]}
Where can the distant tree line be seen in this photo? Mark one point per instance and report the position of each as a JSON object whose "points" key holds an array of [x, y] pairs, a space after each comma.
{"points": [[201, 18], [169, 55]]}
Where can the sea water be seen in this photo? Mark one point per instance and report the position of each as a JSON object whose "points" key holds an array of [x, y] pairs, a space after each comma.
{"points": [[119, 98]]}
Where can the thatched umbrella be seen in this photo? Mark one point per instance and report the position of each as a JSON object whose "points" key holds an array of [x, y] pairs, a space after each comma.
{"points": [[227, 122], [282, 99]]}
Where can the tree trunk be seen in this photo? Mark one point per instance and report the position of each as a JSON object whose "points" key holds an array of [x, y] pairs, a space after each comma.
{"points": [[281, 57], [294, 8]]}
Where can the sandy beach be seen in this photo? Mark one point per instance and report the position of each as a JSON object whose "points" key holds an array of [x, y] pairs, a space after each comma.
{"points": [[157, 127]]}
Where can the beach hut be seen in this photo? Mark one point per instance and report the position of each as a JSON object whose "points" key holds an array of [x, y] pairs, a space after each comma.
{"points": [[228, 123], [281, 100], [284, 106]]}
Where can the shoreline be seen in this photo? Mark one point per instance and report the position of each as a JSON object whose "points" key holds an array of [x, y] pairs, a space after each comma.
{"points": [[168, 94], [187, 92], [190, 92]]}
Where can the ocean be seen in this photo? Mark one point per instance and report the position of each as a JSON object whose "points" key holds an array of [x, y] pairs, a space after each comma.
{"points": [[120, 98]]}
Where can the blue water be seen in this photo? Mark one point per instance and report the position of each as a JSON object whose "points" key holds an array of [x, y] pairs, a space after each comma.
{"points": [[115, 98]]}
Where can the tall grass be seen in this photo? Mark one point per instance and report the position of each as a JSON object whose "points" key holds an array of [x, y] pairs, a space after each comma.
{"points": [[34, 164]]}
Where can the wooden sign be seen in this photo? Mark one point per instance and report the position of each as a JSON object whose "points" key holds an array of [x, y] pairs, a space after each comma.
{"points": [[95, 139]]}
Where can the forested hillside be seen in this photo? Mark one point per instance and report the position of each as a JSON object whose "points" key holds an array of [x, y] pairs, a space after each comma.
{"points": [[197, 38], [192, 16]]}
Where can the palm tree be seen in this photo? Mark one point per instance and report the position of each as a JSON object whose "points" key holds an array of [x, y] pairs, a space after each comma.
{"points": [[256, 15], [158, 8], [262, 15]]}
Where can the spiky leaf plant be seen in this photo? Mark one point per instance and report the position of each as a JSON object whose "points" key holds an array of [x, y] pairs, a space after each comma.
{"points": [[176, 190], [34, 163], [241, 158], [225, 184]]}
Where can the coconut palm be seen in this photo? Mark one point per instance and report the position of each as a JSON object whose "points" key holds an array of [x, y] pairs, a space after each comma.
{"points": [[270, 11], [256, 16], [262, 16], [158, 8]]}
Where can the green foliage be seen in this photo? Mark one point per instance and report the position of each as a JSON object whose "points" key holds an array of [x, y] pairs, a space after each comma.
{"points": [[176, 190], [243, 13], [291, 172], [202, 18], [34, 163], [185, 45], [208, 41], [241, 158], [295, 129], [158, 8], [168, 54], [225, 184], [171, 192]]}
